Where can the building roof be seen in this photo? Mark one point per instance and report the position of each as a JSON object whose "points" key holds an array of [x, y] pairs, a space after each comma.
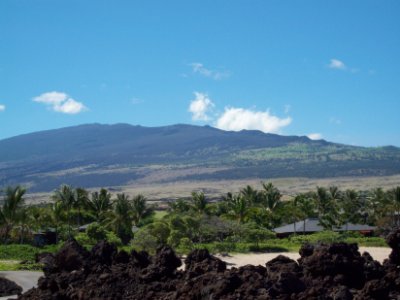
{"points": [[312, 225]]}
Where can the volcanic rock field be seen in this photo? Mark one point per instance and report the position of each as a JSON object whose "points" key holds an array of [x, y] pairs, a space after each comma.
{"points": [[336, 271]]}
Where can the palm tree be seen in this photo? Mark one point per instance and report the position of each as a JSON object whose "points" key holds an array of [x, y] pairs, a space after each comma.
{"points": [[379, 205], [139, 209], [394, 195], [199, 202], [271, 197], [306, 206], [57, 216], [100, 204], [238, 207], [290, 208], [13, 202], [36, 214], [251, 195], [66, 195], [350, 207], [179, 206], [24, 222], [81, 199], [327, 206], [121, 220], [335, 193]]}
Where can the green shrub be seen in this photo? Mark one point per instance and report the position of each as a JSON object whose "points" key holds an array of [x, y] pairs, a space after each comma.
{"points": [[109, 236], [145, 240], [368, 241], [185, 245], [256, 235], [83, 239], [96, 232], [112, 238], [175, 238], [63, 233], [319, 237]]}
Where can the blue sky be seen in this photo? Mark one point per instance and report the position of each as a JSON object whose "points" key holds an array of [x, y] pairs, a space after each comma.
{"points": [[327, 69]]}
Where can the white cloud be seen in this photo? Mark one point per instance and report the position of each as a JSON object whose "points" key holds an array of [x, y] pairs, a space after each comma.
{"points": [[200, 106], [216, 75], [337, 64], [60, 102], [314, 136], [236, 119], [287, 108], [52, 98], [2, 107], [70, 107]]}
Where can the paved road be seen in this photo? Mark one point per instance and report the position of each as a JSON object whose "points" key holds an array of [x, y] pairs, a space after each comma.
{"points": [[25, 279]]}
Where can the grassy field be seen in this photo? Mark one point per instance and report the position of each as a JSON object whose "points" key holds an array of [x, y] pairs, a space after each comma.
{"points": [[288, 245]]}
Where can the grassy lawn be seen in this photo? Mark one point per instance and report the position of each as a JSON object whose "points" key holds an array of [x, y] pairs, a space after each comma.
{"points": [[9, 265], [292, 244], [159, 214], [23, 252]]}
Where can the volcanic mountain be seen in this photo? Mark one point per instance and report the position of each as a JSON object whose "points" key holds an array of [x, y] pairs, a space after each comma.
{"points": [[96, 155]]}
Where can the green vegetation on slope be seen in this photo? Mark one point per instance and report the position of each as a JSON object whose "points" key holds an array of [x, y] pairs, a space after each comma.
{"points": [[316, 153]]}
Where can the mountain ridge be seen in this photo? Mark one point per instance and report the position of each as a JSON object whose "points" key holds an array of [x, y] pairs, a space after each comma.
{"points": [[117, 154]]}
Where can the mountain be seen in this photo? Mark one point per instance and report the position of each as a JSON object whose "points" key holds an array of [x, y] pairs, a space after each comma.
{"points": [[110, 155]]}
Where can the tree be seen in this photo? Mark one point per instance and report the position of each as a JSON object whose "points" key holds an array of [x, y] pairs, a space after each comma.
{"points": [[238, 207], [38, 217], [350, 206], [271, 197], [24, 223], [327, 207], [81, 199], [13, 201], [152, 235], [260, 216], [379, 206], [394, 196], [250, 194], [295, 213], [183, 226], [306, 206], [140, 209], [121, 219], [67, 197], [179, 206], [199, 202], [100, 204]]}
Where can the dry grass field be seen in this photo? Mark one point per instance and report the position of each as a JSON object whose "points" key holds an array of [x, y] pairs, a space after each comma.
{"points": [[160, 192]]}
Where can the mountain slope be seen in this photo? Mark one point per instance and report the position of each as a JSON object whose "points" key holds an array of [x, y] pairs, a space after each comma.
{"points": [[108, 155]]}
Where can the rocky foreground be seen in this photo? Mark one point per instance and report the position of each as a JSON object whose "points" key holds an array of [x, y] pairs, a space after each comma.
{"points": [[8, 287], [336, 271]]}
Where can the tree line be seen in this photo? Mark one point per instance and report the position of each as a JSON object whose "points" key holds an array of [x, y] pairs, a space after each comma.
{"points": [[246, 216]]}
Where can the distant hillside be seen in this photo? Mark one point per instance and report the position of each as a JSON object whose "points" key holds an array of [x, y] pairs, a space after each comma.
{"points": [[110, 155]]}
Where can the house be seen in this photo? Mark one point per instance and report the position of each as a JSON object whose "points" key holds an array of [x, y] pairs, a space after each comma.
{"points": [[311, 225], [44, 238]]}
